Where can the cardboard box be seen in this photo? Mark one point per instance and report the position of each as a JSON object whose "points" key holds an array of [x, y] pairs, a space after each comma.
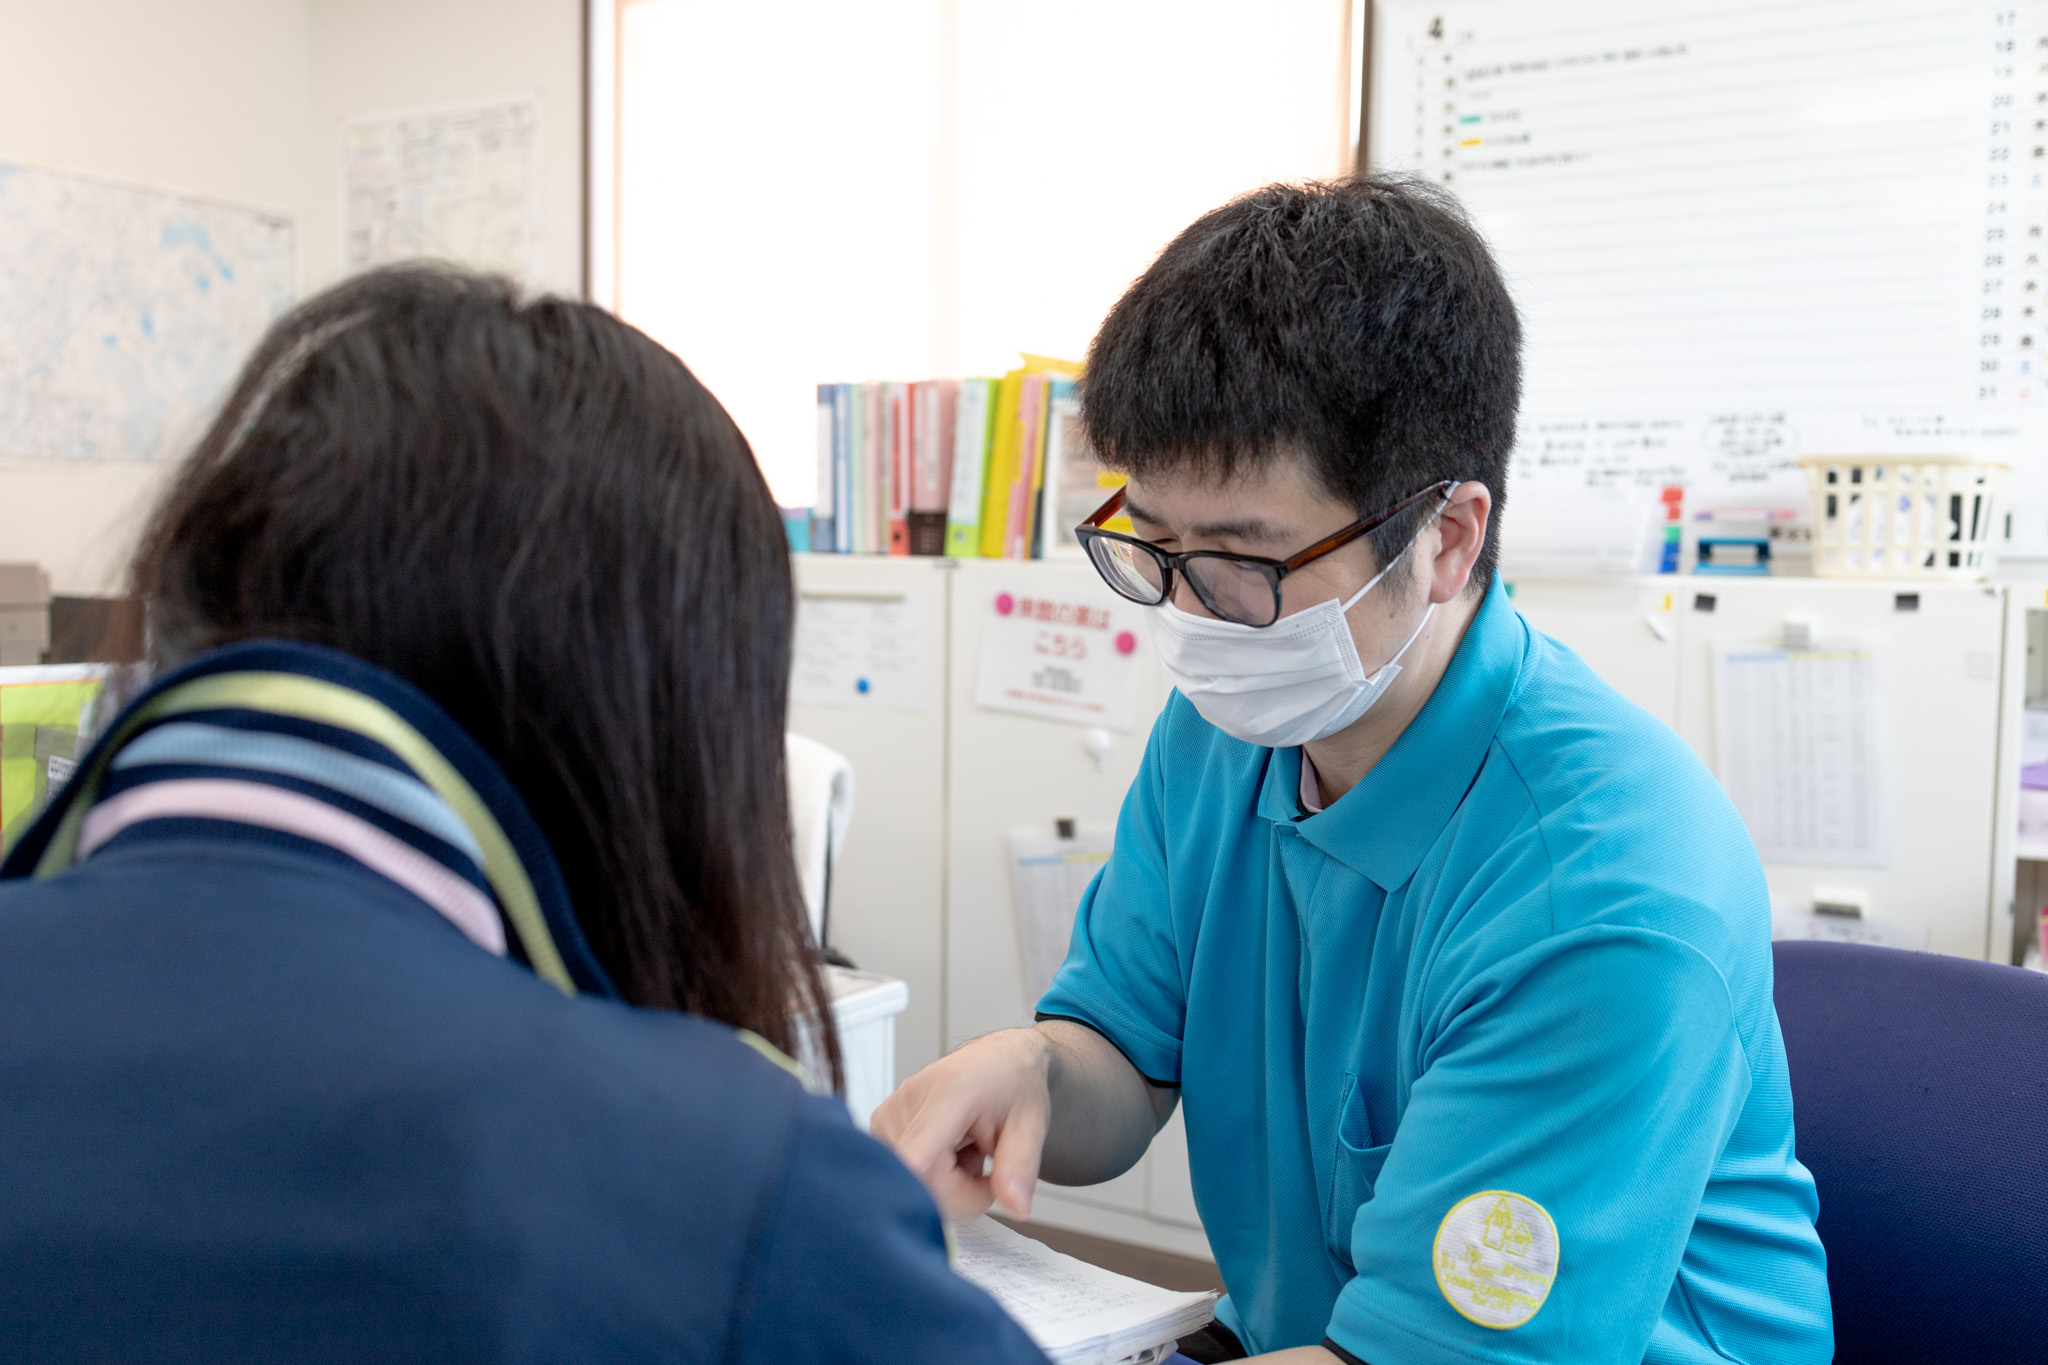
{"points": [[24, 635], [24, 614], [24, 585]]}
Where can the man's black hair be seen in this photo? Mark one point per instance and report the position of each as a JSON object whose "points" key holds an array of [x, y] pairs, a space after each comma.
{"points": [[1360, 324]]}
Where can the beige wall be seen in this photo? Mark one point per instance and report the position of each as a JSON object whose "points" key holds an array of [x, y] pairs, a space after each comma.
{"points": [[206, 96], [243, 100]]}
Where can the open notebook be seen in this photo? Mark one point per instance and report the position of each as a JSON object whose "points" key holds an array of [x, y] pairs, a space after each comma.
{"points": [[1078, 1314]]}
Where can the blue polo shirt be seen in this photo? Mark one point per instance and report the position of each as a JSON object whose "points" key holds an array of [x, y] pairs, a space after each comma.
{"points": [[1480, 1063]]}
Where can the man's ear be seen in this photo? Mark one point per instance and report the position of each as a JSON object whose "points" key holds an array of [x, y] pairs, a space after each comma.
{"points": [[1461, 535]]}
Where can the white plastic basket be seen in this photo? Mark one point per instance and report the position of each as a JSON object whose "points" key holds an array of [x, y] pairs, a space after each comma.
{"points": [[1905, 516]]}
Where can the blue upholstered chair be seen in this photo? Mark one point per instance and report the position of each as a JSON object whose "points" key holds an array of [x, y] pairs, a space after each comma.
{"points": [[1920, 1090]]}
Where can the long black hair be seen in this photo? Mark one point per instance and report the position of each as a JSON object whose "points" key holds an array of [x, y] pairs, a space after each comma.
{"points": [[535, 514]]}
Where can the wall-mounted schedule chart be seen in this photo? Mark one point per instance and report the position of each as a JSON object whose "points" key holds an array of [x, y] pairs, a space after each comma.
{"points": [[1741, 233]]}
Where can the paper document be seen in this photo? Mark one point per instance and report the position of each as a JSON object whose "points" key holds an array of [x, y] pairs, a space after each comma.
{"points": [[1079, 1314], [459, 184], [1047, 876], [1798, 747], [865, 650], [1075, 657], [1849, 929]]}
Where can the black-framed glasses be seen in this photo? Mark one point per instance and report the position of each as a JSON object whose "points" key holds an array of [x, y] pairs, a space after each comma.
{"points": [[1240, 588]]}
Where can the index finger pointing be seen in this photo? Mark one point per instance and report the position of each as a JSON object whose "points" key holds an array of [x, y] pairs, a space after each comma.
{"points": [[1020, 1145]]}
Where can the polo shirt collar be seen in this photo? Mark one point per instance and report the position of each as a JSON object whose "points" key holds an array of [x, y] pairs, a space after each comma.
{"points": [[1382, 827]]}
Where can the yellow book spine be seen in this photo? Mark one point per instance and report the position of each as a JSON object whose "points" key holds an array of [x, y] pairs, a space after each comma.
{"points": [[1002, 467], [1045, 364]]}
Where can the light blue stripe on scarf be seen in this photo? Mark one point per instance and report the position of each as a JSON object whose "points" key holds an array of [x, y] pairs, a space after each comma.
{"points": [[373, 784]]}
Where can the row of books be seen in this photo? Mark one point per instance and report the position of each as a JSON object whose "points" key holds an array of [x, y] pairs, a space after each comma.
{"points": [[971, 468]]}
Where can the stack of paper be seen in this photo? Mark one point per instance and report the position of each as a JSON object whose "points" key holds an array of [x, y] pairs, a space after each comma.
{"points": [[1078, 1314]]}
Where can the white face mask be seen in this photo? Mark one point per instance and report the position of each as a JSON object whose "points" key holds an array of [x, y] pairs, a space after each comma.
{"points": [[1282, 685]]}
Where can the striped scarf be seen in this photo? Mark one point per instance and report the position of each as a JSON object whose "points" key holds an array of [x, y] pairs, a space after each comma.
{"points": [[278, 742]]}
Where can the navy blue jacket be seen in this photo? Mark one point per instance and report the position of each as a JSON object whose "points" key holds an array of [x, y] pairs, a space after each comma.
{"points": [[257, 1102]]}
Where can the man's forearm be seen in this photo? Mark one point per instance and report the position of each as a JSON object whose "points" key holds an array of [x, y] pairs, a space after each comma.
{"points": [[1104, 1114]]}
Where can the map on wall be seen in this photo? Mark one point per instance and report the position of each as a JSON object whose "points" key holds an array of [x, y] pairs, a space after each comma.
{"points": [[460, 184], [125, 312]]}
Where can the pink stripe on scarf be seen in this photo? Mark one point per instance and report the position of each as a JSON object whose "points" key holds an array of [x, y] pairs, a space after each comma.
{"points": [[254, 803]]}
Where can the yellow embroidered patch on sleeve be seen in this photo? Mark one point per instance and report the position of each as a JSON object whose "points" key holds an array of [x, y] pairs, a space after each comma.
{"points": [[1496, 1257]]}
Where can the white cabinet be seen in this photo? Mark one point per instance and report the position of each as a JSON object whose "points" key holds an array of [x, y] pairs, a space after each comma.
{"points": [[2019, 866], [923, 890], [888, 894], [1941, 659], [1006, 772]]}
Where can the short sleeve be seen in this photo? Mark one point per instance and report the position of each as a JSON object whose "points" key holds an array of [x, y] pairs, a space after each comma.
{"points": [[1541, 1187], [849, 1265], [1122, 975]]}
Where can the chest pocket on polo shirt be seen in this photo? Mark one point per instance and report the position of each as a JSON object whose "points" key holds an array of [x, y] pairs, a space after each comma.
{"points": [[1354, 1168]]}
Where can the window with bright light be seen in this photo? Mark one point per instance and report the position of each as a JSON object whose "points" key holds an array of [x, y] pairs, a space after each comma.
{"points": [[901, 189]]}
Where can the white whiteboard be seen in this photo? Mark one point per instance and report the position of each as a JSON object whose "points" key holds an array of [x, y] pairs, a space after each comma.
{"points": [[1744, 232], [125, 312]]}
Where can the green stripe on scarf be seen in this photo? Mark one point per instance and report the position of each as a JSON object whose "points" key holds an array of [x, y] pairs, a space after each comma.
{"points": [[288, 694]]}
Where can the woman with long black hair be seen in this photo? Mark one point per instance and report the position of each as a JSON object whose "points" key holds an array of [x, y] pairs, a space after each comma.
{"points": [[409, 973]]}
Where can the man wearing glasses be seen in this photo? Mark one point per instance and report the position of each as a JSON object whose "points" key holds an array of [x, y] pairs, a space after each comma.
{"points": [[1459, 961]]}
